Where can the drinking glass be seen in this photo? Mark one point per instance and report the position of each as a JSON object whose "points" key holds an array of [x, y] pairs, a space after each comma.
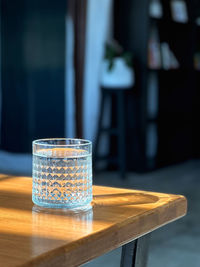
{"points": [[62, 173]]}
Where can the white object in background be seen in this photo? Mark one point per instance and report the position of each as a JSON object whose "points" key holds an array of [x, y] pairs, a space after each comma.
{"points": [[155, 9], [120, 76], [179, 11]]}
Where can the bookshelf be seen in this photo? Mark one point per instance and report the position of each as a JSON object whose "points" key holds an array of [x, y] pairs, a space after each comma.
{"points": [[166, 45]]}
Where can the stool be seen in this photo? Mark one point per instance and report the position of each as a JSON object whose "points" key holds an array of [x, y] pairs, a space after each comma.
{"points": [[119, 130]]}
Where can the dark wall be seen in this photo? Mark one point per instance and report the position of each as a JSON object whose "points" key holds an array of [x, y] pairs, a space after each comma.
{"points": [[33, 58]]}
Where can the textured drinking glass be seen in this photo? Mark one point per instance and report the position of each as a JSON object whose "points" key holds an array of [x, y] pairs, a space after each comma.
{"points": [[62, 173]]}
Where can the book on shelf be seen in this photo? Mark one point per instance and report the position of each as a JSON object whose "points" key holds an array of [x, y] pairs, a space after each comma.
{"points": [[154, 57], [179, 11], [169, 60], [155, 9]]}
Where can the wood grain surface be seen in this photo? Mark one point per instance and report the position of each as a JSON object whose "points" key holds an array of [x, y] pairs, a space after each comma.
{"points": [[46, 237]]}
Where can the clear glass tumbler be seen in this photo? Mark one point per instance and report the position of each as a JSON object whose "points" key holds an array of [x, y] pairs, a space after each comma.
{"points": [[62, 173]]}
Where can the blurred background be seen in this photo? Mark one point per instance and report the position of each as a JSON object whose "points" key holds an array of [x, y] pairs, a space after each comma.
{"points": [[124, 74]]}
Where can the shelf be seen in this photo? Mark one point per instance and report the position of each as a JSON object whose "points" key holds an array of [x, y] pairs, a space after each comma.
{"points": [[172, 94]]}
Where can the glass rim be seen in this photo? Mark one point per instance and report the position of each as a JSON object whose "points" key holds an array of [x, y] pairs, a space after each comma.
{"points": [[39, 142]]}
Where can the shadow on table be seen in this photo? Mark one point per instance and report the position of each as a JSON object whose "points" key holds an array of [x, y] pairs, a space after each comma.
{"points": [[23, 201]]}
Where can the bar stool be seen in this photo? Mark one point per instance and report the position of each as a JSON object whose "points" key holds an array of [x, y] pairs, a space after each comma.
{"points": [[119, 131]]}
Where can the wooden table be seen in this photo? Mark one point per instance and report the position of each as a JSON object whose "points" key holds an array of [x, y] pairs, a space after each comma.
{"points": [[118, 216]]}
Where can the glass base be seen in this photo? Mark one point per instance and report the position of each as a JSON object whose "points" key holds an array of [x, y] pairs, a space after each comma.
{"points": [[63, 206]]}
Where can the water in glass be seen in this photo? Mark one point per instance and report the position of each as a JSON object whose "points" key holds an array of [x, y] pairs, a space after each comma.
{"points": [[62, 178]]}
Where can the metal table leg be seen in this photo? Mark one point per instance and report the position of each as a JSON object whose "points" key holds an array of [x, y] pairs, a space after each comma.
{"points": [[134, 254]]}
